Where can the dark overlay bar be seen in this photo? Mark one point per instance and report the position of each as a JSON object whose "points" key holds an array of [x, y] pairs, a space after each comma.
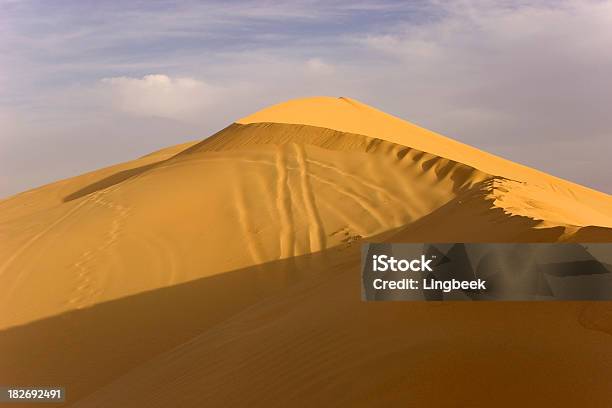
{"points": [[469, 271]]}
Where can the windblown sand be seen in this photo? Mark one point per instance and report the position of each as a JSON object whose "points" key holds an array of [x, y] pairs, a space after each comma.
{"points": [[226, 273]]}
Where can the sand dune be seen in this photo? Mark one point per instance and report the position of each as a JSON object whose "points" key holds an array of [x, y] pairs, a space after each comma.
{"points": [[224, 272]]}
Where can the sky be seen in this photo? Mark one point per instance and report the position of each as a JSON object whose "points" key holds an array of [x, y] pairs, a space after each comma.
{"points": [[85, 84]]}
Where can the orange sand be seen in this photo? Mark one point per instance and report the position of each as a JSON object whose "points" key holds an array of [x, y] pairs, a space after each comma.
{"points": [[225, 273]]}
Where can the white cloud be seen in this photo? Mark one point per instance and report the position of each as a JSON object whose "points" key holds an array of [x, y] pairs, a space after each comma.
{"points": [[318, 66], [159, 96]]}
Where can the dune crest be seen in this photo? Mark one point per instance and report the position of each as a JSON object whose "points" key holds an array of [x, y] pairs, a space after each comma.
{"points": [[348, 115], [230, 231]]}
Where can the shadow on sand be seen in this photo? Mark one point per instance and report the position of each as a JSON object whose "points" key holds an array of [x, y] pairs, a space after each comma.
{"points": [[85, 349]]}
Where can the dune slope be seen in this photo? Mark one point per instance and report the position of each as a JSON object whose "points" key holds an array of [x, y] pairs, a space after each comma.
{"points": [[236, 258]]}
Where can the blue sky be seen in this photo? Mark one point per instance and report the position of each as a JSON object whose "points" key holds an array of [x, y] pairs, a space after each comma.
{"points": [[85, 84]]}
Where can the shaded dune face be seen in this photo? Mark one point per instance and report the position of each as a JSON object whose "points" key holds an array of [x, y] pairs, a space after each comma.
{"points": [[225, 272]]}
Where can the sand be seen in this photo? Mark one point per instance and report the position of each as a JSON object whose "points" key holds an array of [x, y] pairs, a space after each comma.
{"points": [[224, 272]]}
